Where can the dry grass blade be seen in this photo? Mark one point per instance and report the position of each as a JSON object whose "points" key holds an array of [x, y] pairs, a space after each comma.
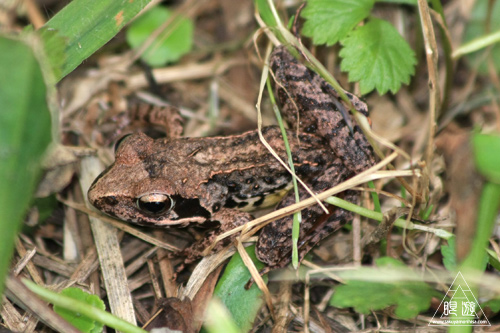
{"points": [[98, 105], [108, 248], [431, 52], [206, 266], [120, 225], [256, 276], [26, 299]]}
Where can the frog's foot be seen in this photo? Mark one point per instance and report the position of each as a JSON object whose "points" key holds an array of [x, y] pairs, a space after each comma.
{"points": [[168, 118]]}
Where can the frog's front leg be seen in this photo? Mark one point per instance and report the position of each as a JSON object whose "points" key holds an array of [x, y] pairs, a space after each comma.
{"points": [[227, 219], [275, 242]]}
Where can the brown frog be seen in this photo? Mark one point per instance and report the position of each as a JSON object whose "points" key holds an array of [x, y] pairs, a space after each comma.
{"points": [[215, 181]]}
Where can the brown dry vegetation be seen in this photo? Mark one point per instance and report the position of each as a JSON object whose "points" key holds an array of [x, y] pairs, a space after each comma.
{"points": [[225, 68]]}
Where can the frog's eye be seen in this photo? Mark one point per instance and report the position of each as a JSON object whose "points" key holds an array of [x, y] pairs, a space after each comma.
{"points": [[120, 141], [155, 203]]}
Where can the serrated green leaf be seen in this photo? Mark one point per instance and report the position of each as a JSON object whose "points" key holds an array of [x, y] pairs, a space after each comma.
{"points": [[169, 46], [486, 162], [25, 133], [242, 304], [328, 21], [86, 25], [78, 320], [476, 28], [409, 297], [377, 57]]}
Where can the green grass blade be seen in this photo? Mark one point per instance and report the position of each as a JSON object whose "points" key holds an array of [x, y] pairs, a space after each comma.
{"points": [[487, 211], [24, 136], [477, 44], [401, 223], [83, 308], [297, 217], [86, 25]]}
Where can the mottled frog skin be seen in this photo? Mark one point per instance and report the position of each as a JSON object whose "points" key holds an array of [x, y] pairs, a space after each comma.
{"points": [[216, 181]]}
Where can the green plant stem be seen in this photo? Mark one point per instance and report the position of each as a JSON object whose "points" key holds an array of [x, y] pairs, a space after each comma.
{"points": [[81, 307], [402, 223], [477, 44], [436, 4], [297, 217], [474, 262], [487, 211], [375, 198]]}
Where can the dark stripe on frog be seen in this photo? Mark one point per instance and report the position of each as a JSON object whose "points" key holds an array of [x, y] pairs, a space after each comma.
{"points": [[153, 165], [360, 108], [106, 201], [310, 104], [189, 208], [286, 79], [260, 201], [230, 203], [329, 116]]}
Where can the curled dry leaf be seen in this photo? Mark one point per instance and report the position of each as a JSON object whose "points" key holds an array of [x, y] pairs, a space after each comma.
{"points": [[60, 165]]}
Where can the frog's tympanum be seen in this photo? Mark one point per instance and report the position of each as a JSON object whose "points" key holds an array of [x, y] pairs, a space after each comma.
{"points": [[216, 181]]}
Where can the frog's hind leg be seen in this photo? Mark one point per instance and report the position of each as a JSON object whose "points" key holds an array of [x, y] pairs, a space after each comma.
{"points": [[326, 226], [312, 104], [310, 235], [280, 254], [275, 242]]}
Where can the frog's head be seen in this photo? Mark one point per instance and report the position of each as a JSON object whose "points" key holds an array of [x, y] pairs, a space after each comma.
{"points": [[129, 190]]}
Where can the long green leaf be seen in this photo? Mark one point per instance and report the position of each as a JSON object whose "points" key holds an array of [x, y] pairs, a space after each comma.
{"points": [[24, 137], [86, 25]]}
